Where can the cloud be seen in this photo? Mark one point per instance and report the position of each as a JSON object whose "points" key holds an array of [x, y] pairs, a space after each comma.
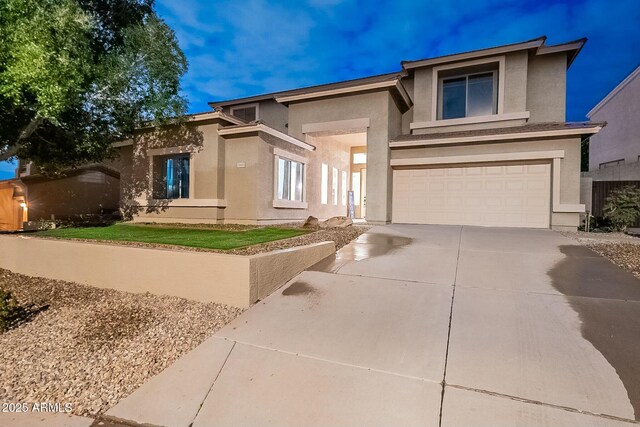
{"points": [[238, 49]]}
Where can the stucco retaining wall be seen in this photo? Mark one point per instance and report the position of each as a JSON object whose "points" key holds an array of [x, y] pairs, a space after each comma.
{"points": [[235, 280]]}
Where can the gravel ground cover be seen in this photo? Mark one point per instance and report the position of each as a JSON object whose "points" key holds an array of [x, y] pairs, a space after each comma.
{"points": [[621, 249], [92, 347], [341, 236]]}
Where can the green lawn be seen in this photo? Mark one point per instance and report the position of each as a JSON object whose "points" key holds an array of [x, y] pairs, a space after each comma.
{"points": [[192, 237]]}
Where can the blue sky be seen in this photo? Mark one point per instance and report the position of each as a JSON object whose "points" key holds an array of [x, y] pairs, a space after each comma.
{"points": [[238, 49]]}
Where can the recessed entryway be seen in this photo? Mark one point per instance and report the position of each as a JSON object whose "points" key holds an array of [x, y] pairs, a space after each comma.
{"points": [[339, 177]]}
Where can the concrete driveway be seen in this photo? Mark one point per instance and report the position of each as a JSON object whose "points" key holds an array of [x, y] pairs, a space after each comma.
{"points": [[421, 326]]}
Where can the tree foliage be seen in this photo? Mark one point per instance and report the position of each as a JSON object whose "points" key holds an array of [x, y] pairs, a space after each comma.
{"points": [[77, 75], [584, 155], [622, 207]]}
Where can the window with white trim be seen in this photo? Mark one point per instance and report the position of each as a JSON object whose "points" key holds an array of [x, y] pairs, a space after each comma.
{"points": [[359, 158], [468, 95], [290, 184], [324, 190]]}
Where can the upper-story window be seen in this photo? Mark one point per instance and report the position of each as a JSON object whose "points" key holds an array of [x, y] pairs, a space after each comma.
{"points": [[248, 113], [468, 95]]}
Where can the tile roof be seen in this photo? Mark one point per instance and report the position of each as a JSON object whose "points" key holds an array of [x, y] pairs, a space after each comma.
{"points": [[311, 89]]}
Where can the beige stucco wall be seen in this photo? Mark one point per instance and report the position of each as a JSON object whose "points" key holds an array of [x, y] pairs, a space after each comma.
{"points": [[250, 188], [385, 120], [236, 170], [620, 139], [271, 112], [515, 82], [569, 165], [423, 94], [207, 174], [271, 270], [86, 193], [208, 163], [531, 83], [624, 172], [334, 155], [181, 214], [547, 87], [586, 193], [202, 276], [407, 116], [241, 190]]}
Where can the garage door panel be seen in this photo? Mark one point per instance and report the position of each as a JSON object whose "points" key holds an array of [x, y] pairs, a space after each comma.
{"points": [[515, 169], [492, 195]]}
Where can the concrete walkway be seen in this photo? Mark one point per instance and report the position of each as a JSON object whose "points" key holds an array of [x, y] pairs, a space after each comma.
{"points": [[421, 326]]}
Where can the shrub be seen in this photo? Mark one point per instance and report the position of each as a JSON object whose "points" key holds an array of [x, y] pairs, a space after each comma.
{"points": [[622, 207], [10, 311]]}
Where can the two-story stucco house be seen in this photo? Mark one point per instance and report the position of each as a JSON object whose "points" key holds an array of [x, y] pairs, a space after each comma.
{"points": [[614, 154], [476, 138]]}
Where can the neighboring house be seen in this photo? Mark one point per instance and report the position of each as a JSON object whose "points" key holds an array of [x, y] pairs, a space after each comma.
{"points": [[476, 138], [614, 154], [31, 196], [12, 205]]}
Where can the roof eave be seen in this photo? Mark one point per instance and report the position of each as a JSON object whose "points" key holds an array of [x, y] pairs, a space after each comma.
{"points": [[572, 48], [261, 127], [530, 44], [394, 84]]}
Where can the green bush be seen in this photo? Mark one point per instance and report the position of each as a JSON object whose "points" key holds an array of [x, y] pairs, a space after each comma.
{"points": [[10, 311], [622, 207]]}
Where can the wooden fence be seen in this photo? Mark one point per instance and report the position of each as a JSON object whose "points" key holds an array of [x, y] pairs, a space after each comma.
{"points": [[601, 190]]}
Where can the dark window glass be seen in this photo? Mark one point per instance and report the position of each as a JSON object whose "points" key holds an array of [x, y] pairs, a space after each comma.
{"points": [[480, 95], [454, 98], [468, 96], [247, 114], [176, 177]]}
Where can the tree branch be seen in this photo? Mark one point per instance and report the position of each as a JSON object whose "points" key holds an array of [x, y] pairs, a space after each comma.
{"points": [[28, 130], [9, 153]]}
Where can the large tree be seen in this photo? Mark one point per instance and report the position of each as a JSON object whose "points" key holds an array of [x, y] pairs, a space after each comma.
{"points": [[77, 75]]}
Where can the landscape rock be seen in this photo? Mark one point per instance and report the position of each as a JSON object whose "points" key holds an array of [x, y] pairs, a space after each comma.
{"points": [[337, 222], [311, 222]]}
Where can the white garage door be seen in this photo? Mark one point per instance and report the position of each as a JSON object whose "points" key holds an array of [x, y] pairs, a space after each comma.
{"points": [[513, 195]]}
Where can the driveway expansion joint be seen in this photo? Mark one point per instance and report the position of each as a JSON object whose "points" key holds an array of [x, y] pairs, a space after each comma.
{"points": [[337, 273], [446, 354], [212, 384], [335, 362], [545, 404]]}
